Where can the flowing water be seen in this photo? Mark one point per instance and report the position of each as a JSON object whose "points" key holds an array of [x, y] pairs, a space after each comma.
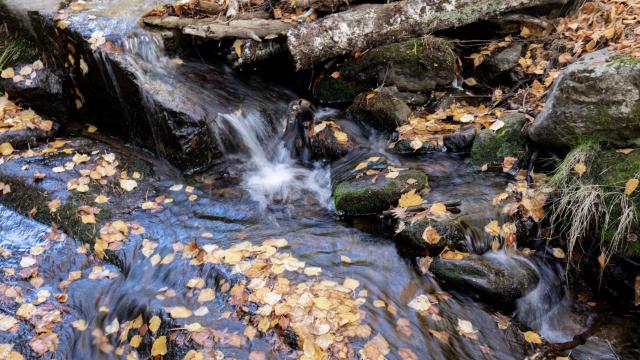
{"points": [[260, 192]]}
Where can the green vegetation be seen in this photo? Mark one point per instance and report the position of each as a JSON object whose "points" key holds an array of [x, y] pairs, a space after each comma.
{"points": [[14, 51], [594, 204]]}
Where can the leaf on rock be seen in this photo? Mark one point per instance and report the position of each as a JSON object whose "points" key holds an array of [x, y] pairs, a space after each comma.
{"points": [[159, 346], [410, 199], [431, 236], [532, 337]]}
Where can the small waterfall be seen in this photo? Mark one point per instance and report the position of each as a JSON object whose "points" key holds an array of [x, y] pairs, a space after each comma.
{"points": [[272, 174]]}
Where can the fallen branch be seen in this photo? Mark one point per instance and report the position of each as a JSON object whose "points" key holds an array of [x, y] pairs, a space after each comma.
{"points": [[256, 29], [368, 26]]}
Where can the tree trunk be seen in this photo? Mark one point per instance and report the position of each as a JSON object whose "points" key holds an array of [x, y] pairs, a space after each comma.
{"points": [[368, 26]]}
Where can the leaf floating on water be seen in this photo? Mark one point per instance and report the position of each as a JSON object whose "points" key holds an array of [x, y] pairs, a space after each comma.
{"points": [[80, 325], [631, 186], [410, 199], [312, 271], [442, 336], [7, 322], [420, 303], [154, 323], [532, 337], [407, 354], [558, 253], [503, 321], [580, 168], [128, 184], [375, 349], [159, 346], [465, 328]]}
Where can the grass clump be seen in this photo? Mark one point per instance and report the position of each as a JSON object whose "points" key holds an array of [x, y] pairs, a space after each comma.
{"points": [[14, 51], [590, 200]]}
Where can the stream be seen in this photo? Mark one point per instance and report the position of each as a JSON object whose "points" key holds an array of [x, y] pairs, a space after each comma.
{"points": [[259, 191]]}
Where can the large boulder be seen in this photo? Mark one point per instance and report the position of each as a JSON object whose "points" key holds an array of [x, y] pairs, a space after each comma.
{"points": [[415, 65], [491, 147], [380, 110], [596, 97], [366, 188], [495, 277]]}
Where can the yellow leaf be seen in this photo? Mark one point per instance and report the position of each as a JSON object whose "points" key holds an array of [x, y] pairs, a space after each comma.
{"points": [[492, 228], [410, 199], [438, 210], [558, 253], [7, 73], [361, 166], [580, 168], [6, 149], [154, 323], [128, 185], [79, 325], [532, 337], [350, 283], [180, 312], [624, 151], [630, 186], [92, 129], [335, 74], [416, 144], [159, 346], [431, 236]]}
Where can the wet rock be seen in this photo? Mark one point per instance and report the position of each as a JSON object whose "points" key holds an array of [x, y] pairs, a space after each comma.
{"points": [[312, 139], [451, 232], [362, 187], [123, 96], [380, 110], [459, 141], [596, 97], [491, 147], [41, 90], [502, 63], [416, 65], [494, 277]]}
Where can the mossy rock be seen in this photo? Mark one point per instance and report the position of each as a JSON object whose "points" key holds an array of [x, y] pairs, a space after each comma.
{"points": [[381, 110], [491, 147], [364, 196], [415, 65]]}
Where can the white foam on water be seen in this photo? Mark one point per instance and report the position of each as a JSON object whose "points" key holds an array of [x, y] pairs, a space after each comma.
{"points": [[272, 175]]}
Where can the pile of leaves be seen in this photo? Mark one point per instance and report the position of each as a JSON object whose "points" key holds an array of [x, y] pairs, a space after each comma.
{"points": [[14, 118]]}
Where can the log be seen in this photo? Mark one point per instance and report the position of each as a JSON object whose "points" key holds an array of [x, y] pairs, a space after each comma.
{"points": [[255, 29], [367, 26], [248, 52]]}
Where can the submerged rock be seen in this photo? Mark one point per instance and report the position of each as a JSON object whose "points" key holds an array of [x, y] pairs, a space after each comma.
{"points": [[380, 110], [365, 187], [597, 97], [416, 65], [41, 89], [491, 147], [495, 277]]}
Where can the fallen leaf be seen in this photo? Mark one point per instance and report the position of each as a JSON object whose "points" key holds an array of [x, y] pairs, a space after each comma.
{"points": [[558, 253], [431, 236], [465, 328], [532, 337], [410, 199], [580, 168], [631, 186], [159, 346], [6, 149], [492, 228], [128, 184]]}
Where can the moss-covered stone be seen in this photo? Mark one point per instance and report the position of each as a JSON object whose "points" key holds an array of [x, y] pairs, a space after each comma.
{"points": [[415, 65], [382, 110], [363, 196], [451, 231], [491, 147]]}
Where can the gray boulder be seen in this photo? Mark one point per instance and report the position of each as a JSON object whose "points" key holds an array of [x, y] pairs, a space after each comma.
{"points": [[596, 97], [494, 277]]}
